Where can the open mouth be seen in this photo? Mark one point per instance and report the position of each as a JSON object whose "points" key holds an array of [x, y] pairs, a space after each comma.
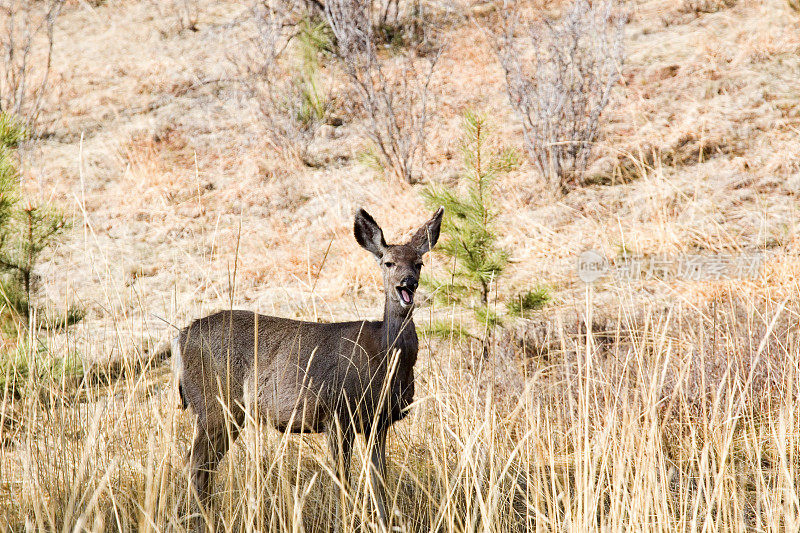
{"points": [[406, 296]]}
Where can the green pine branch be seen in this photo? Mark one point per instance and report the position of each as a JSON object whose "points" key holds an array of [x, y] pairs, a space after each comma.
{"points": [[469, 236], [26, 230]]}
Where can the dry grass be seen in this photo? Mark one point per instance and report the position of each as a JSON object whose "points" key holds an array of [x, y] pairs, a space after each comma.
{"points": [[677, 412], [679, 419]]}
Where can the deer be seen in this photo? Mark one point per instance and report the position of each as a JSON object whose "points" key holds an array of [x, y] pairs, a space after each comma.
{"points": [[342, 378]]}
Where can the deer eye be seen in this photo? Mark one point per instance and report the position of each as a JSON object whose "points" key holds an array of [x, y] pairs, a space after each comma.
{"points": [[418, 266], [388, 264]]}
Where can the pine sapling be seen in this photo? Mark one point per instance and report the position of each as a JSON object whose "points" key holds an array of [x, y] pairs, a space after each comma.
{"points": [[469, 235], [25, 232]]}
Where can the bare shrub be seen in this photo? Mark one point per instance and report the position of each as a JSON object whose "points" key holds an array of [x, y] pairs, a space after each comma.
{"points": [[26, 43], [394, 92], [387, 10], [281, 70], [393, 24], [559, 78], [404, 26]]}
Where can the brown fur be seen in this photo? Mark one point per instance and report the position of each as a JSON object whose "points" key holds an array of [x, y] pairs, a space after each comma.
{"points": [[342, 378]]}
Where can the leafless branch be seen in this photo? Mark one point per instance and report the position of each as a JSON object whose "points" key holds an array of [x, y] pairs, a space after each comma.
{"points": [[280, 97], [559, 78], [394, 92], [26, 44]]}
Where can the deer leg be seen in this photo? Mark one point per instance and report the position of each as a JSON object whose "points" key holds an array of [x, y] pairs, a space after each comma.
{"points": [[378, 475], [211, 443], [340, 442]]}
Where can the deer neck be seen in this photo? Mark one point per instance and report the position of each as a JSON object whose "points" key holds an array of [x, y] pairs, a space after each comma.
{"points": [[398, 327]]}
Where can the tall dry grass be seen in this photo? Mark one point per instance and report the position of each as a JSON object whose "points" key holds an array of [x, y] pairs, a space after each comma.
{"points": [[682, 419]]}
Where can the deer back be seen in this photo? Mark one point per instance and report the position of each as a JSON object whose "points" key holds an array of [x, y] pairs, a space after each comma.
{"points": [[299, 374]]}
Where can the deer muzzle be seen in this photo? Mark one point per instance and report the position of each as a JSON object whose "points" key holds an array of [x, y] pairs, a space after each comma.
{"points": [[406, 290]]}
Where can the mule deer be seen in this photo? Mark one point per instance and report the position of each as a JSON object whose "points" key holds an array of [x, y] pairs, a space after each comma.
{"points": [[342, 378]]}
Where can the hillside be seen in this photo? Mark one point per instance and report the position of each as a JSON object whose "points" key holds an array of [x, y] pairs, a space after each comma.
{"points": [[181, 205]]}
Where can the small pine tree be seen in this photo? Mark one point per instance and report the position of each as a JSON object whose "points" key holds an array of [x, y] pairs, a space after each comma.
{"points": [[469, 234], [25, 231], [24, 236]]}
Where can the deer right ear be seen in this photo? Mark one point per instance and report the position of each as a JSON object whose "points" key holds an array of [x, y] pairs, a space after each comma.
{"points": [[425, 238], [368, 234]]}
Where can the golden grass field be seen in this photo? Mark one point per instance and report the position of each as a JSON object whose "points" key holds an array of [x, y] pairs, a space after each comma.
{"points": [[675, 410]]}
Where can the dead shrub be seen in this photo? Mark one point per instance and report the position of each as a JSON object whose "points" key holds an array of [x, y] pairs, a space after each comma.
{"points": [[282, 73], [559, 76], [394, 91], [26, 43]]}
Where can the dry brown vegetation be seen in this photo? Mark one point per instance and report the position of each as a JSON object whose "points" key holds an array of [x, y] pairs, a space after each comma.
{"points": [[676, 410]]}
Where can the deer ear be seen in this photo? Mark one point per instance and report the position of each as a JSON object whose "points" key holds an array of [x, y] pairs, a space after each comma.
{"points": [[368, 234], [426, 236]]}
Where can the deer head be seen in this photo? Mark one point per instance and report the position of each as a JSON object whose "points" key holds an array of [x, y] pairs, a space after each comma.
{"points": [[401, 263]]}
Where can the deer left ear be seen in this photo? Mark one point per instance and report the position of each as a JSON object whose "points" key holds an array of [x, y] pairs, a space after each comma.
{"points": [[426, 236], [368, 234]]}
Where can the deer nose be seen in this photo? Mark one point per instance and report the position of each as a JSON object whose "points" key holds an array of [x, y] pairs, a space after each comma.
{"points": [[410, 283]]}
